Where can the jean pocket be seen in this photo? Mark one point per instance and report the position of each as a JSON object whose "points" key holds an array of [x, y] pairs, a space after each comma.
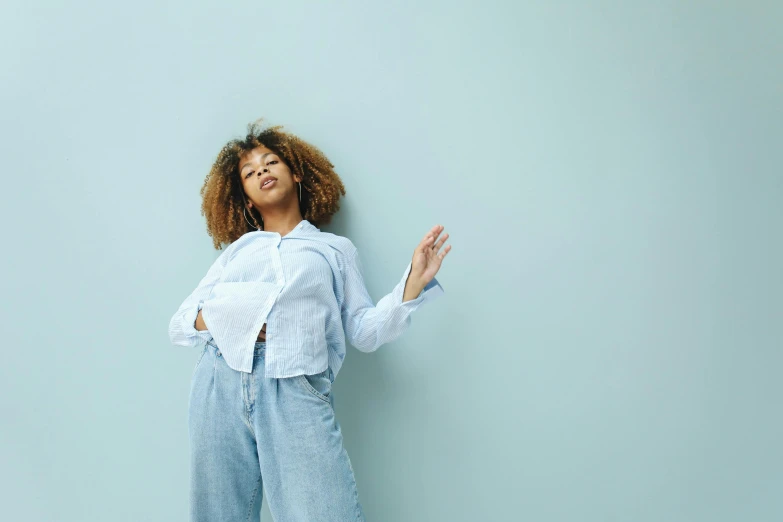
{"points": [[203, 352], [319, 384]]}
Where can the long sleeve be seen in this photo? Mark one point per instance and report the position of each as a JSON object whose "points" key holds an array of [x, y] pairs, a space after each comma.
{"points": [[368, 326], [182, 329]]}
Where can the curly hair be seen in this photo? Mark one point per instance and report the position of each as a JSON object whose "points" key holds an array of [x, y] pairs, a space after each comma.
{"points": [[223, 196]]}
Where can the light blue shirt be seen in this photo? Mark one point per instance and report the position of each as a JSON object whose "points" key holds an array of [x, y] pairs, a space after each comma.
{"points": [[307, 286]]}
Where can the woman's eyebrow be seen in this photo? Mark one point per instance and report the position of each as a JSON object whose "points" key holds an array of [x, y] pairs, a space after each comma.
{"points": [[262, 159]]}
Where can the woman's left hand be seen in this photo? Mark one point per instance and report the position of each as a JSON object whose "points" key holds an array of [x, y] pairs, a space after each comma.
{"points": [[427, 256]]}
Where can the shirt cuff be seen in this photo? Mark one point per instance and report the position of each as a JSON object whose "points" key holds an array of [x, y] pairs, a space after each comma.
{"points": [[189, 328]]}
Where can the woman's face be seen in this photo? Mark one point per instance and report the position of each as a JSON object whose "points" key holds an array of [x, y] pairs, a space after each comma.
{"points": [[255, 167]]}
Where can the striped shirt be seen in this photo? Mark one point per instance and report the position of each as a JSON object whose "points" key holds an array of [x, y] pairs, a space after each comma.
{"points": [[307, 286]]}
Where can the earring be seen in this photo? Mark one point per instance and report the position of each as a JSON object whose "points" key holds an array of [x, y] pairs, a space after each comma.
{"points": [[300, 191], [244, 213]]}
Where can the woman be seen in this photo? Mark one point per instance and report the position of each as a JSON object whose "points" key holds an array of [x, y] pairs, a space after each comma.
{"points": [[276, 309]]}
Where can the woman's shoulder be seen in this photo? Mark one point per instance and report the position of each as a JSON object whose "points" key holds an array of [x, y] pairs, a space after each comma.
{"points": [[339, 243], [239, 242]]}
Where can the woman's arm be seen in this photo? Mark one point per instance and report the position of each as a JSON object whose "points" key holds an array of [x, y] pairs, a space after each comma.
{"points": [[185, 329], [368, 326]]}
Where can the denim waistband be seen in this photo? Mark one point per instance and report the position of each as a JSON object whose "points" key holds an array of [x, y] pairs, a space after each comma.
{"points": [[258, 349]]}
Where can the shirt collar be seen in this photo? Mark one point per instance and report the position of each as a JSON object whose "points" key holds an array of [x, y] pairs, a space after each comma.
{"points": [[303, 227]]}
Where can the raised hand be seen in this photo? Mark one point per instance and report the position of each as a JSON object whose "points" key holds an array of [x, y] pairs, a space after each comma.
{"points": [[427, 256]]}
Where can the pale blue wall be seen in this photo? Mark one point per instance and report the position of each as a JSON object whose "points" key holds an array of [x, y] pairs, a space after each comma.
{"points": [[609, 345]]}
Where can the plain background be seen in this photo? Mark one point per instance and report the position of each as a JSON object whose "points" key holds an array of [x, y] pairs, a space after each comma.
{"points": [[610, 173]]}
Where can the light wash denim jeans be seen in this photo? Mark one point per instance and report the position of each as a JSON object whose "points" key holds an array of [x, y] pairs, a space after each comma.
{"points": [[250, 434]]}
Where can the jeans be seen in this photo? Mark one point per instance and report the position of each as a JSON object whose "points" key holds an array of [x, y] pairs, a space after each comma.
{"points": [[247, 431]]}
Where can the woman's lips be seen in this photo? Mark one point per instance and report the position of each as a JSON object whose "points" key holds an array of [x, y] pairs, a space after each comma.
{"points": [[269, 185]]}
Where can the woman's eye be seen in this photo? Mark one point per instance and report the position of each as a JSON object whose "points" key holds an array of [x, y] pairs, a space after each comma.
{"points": [[249, 174]]}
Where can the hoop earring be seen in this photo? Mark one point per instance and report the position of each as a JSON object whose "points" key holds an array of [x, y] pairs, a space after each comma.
{"points": [[300, 191], [244, 213]]}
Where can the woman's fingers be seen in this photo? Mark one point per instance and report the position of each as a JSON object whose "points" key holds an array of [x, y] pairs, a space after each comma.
{"points": [[445, 251], [440, 242], [430, 237]]}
